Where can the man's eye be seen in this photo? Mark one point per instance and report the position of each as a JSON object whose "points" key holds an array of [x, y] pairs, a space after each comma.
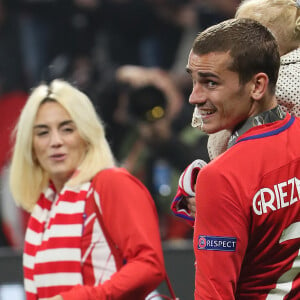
{"points": [[211, 84]]}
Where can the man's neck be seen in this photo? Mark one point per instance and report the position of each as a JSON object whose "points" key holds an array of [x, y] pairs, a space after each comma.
{"points": [[265, 117]]}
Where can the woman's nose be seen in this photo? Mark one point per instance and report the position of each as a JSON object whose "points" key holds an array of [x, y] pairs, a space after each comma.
{"points": [[56, 139]]}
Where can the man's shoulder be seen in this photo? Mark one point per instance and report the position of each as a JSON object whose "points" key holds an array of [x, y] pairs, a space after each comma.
{"points": [[260, 147]]}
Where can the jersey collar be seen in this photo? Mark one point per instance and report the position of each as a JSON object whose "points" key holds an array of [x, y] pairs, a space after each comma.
{"points": [[266, 117]]}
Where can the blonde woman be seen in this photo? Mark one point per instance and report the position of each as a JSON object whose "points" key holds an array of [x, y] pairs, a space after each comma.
{"points": [[92, 225]]}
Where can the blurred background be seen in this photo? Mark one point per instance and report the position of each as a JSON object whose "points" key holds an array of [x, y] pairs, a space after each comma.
{"points": [[129, 57]]}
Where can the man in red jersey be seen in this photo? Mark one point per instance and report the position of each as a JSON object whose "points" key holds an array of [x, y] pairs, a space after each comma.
{"points": [[247, 227]]}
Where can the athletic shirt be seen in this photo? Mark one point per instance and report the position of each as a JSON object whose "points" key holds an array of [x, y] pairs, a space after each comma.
{"points": [[247, 228]]}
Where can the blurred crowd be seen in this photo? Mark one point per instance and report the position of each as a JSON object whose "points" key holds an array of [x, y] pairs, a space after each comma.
{"points": [[129, 56]]}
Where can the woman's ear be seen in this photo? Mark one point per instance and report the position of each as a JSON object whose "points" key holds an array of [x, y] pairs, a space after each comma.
{"points": [[260, 83]]}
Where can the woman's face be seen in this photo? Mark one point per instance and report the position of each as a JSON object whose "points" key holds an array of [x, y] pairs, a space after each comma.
{"points": [[57, 145]]}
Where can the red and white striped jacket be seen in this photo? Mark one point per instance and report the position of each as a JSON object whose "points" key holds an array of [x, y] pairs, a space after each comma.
{"points": [[89, 242]]}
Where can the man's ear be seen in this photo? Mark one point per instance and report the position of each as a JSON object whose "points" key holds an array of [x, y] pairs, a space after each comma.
{"points": [[260, 83]]}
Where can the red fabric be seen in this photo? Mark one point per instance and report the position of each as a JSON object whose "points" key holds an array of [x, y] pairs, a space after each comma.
{"points": [[230, 204], [45, 226], [177, 228], [186, 189], [11, 105], [130, 217]]}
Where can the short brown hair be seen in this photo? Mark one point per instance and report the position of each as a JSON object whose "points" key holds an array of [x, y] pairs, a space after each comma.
{"points": [[252, 47]]}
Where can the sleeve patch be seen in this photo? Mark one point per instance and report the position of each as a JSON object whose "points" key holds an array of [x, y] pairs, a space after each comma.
{"points": [[216, 243]]}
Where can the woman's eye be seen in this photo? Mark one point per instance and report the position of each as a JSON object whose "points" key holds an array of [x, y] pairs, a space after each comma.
{"points": [[41, 133], [67, 129]]}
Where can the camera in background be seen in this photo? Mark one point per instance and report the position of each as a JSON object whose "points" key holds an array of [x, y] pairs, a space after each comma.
{"points": [[147, 103]]}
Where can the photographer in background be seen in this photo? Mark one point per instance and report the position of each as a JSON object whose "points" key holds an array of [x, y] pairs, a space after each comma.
{"points": [[158, 141]]}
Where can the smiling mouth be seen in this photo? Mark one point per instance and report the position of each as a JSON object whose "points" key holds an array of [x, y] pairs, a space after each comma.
{"points": [[202, 112], [206, 112]]}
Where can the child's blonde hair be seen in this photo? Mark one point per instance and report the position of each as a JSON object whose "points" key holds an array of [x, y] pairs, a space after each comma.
{"points": [[282, 17]]}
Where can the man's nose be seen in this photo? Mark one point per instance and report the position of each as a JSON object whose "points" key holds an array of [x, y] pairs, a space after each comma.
{"points": [[197, 95]]}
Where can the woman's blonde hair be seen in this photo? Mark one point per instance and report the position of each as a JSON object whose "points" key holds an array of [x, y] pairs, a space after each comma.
{"points": [[282, 17], [27, 178]]}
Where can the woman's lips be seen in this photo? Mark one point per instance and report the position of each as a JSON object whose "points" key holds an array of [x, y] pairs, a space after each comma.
{"points": [[58, 157]]}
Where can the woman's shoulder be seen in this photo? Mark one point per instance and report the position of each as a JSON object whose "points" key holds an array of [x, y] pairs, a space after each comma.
{"points": [[116, 177], [114, 171], [112, 175]]}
